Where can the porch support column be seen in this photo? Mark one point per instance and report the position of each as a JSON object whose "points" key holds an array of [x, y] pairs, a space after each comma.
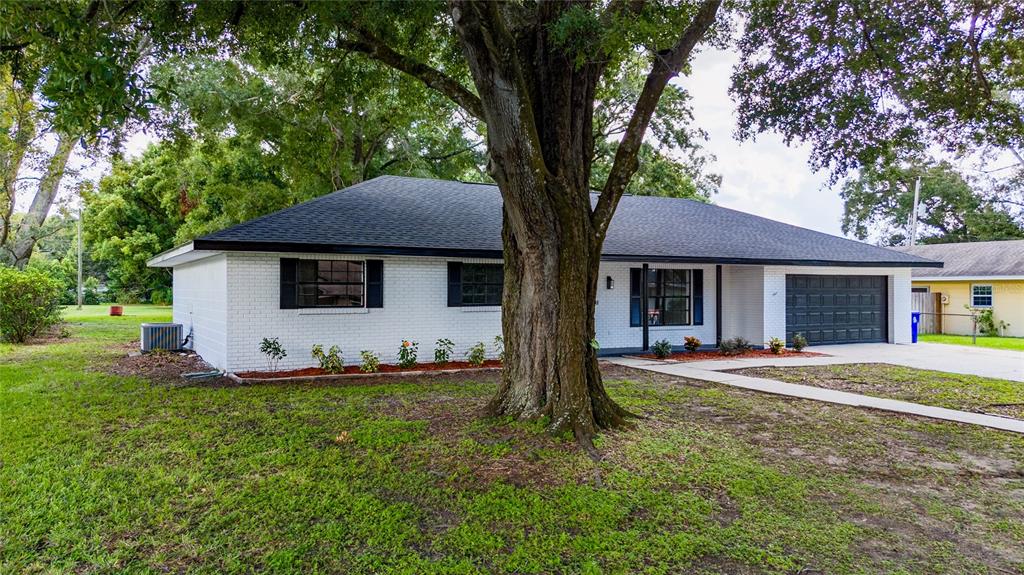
{"points": [[644, 320], [718, 305]]}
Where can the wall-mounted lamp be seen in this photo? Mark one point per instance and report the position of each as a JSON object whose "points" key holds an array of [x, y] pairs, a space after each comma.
{"points": [[609, 282]]}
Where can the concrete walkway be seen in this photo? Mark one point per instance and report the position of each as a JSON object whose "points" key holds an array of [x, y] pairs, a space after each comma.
{"points": [[712, 371]]}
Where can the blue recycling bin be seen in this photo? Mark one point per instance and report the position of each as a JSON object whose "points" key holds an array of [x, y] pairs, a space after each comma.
{"points": [[915, 318]]}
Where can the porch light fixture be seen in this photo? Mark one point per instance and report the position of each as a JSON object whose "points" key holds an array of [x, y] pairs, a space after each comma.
{"points": [[609, 282]]}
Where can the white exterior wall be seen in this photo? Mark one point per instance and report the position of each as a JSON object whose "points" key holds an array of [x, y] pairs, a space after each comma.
{"points": [[200, 306], [612, 315], [415, 308], [232, 301], [775, 297], [743, 302]]}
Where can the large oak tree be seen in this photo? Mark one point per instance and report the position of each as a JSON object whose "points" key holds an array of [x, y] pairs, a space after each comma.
{"points": [[855, 80]]}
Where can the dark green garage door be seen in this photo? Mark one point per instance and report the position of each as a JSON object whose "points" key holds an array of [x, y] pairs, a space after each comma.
{"points": [[837, 309]]}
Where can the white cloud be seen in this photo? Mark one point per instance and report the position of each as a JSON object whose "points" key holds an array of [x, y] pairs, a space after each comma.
{"points": [[763, 177]]}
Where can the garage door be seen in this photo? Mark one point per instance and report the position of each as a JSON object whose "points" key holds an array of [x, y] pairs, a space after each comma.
{"points": [[836, 309]]}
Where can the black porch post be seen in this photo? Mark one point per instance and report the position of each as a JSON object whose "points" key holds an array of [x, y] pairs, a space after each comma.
{"points": [[718, 305], [644, 319]]}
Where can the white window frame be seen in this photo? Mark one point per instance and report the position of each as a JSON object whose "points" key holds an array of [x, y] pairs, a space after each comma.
{"points": [[991, 296], [927, 289]]}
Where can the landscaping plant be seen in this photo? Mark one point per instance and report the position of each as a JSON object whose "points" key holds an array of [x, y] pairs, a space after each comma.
{"points": [[662, 349], [799, 342], [477, 354], [407, 354], [734, 346], [988, 324], [443, 351], [29, 303], [691, 343], [776, 345], [499, 347], [271, 348], [371, 362], [331, 362]]}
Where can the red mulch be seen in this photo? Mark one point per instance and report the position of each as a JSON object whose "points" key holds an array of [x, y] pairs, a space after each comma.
{"points": [[712, 355], [354, 369]]}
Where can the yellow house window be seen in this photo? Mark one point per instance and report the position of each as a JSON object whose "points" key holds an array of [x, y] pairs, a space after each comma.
{"points": [[981, 296]]}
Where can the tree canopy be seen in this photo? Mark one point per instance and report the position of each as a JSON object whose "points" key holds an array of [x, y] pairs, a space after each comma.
{"points": [[952, 209]]}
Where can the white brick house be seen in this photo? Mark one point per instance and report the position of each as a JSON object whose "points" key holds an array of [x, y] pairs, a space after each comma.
{"points": [[402, 258]]}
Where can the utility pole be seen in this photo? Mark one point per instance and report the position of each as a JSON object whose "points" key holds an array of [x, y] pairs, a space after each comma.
{"points": [[913, 213], [80, 257]]}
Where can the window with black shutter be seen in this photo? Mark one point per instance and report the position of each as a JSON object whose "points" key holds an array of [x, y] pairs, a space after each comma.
{"points": [[330, 283], [674, 297], [475, 284]]}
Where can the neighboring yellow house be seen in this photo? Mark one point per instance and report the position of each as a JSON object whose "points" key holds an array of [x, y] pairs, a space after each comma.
{"points": [[980, 275]]}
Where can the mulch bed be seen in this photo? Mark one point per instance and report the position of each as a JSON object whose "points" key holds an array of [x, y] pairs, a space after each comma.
{"points": [[713, 355], [160, 366], [354, 370]]}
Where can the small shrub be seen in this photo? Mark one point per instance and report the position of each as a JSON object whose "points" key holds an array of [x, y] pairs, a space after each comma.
{"points": [[161, 296], [662, 349], [407, 354], [29, 303], [691, 343], [443, 351], [988, 324], [331, 362], [799, 342], [271, 348], [477, 354], [734, 346], [499, 347], [371, 362], [776, 345]]}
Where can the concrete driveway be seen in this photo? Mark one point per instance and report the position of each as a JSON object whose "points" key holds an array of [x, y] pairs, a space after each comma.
{"points": [[986, 362]]}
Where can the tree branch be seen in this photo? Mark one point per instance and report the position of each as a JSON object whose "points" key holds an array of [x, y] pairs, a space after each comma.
{"points": [[666, 65], [432, 77]]}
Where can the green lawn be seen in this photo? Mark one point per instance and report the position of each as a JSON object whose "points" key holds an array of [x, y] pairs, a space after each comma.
{"points": [[951, 390], [1013, 343], [113, 474]]}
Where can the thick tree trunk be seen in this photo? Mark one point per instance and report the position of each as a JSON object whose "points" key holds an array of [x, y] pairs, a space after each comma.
{"points": [[551, 369], [28, 229]]}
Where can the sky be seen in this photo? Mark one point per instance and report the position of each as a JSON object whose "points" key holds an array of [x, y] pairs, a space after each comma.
{"points": [[763, 177]]}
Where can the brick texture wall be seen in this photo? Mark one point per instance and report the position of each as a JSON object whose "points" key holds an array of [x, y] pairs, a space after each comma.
{"points": [[232, 301], [200, 306]]}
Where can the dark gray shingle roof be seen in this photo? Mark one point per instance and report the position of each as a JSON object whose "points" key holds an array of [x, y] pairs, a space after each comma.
{"points": [[392, 214], [971, 259]]}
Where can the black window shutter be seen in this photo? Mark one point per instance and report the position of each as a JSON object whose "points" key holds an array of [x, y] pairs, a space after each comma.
{"points": [[289, 286], [634, 296], [698, 297], [454, 284], [374, 283]]}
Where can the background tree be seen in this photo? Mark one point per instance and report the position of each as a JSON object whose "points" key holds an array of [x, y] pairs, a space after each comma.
{"points": [[879, 201], [856, 82], [46, 51]]}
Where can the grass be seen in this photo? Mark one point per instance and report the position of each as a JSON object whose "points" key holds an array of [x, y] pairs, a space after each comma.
{"points": [[941, 389], [1011, 343], [114, 474]]}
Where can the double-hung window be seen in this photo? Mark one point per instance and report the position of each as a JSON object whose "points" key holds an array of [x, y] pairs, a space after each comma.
{"points": [[670, 295], [981, 296], [482, 284], [330, 283]]}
